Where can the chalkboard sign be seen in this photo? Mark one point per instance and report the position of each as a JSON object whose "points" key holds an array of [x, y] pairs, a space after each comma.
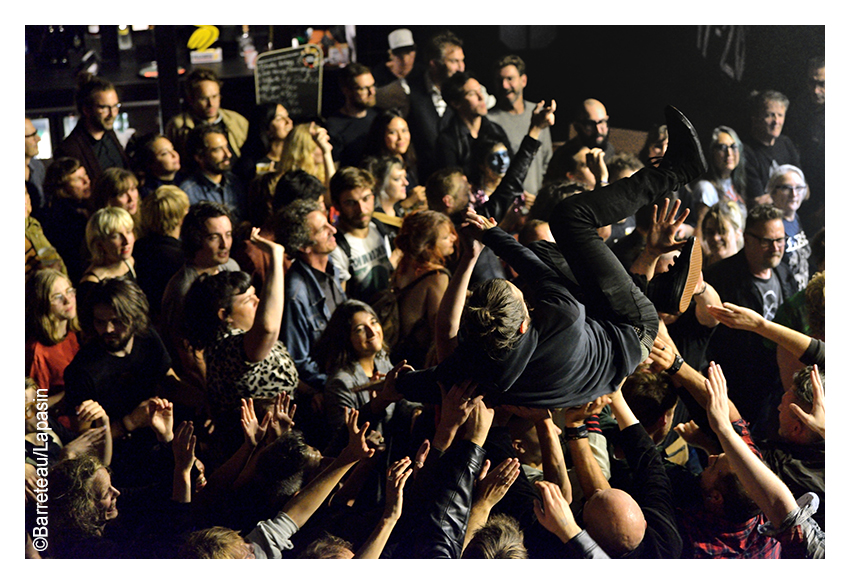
{"points": [[292, 77]]}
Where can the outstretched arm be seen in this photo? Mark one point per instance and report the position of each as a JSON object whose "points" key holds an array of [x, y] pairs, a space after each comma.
{"points": [[490, 488], [738, 317], [767, 490], [183, 447], [589, 473], [397, 476], [264, 333], [451, 307], [305, 503]]}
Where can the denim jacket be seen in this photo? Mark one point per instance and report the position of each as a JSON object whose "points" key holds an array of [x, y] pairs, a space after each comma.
{"points": [[305, 316]]}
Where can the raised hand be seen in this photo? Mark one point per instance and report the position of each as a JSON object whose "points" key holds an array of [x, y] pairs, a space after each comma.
{"points": [[691, 433], [661, 238], [576, 415], [421, 456], [554, 513], [283, 415], [718, 399], [477, 425], [816, 421], [358, 448], [161, 418], [320, 135], [85, 443], [252, 429], [90, 411], [596, 164], [458, 403], [397, 476], [387, 393], [263, 243], [475, 225], [493, 485], [183, 447], [542, 117]]}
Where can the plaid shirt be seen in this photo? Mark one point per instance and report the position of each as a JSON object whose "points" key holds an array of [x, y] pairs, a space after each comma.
{"points": [[715, 537]]}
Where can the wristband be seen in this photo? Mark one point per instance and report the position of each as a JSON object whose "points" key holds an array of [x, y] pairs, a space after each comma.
{"points": [[677, 364], [576, 433]]}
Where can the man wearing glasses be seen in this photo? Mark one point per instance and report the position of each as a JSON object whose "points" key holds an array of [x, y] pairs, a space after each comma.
{"points": [[93, 141], [755, 278], [591, 126]]}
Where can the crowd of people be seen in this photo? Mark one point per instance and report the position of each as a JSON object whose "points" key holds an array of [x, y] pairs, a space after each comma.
{"points": [[418, 328]]}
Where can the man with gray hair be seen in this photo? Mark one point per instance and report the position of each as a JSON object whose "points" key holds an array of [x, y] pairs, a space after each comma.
{"points": [[312, 288], [767, 148]]}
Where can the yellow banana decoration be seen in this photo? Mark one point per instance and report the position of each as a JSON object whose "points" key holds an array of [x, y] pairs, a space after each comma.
{"points": [[203, 37]]}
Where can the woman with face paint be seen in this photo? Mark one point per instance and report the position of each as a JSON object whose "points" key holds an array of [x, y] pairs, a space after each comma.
{"points": [[492, 159]]}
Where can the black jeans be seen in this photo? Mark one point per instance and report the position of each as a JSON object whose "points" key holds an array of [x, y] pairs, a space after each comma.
{"points": [[609, 292]]}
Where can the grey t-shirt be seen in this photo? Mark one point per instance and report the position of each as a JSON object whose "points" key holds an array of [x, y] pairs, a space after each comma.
{"points": [[771, 295]]}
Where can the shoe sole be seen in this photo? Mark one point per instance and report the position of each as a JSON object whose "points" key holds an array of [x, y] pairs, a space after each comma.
{"points": [[694, 269]]}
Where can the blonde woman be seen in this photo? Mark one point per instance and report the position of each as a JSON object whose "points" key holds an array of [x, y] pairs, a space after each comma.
{"points": [[308, 147], [158, 253], [110, 239]]}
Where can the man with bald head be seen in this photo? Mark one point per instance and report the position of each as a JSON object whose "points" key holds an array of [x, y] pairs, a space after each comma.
{"points": [[591, 126], [640, 523], [590, 143]]}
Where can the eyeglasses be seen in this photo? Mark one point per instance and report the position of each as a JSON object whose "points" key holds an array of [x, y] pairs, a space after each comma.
{"points": [[107, 108], [34, 133], [592, 123], [790, 189], [69, 294], [725, 148], [766, 242]]}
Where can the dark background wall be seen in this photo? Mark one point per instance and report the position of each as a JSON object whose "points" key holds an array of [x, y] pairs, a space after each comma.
{"points": [[707, 71]]}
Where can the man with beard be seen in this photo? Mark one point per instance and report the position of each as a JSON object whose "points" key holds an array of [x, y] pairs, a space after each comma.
{"points": [[93, 141], [212, 179], [348, 127], [126, 369], [202, 97], [363, 251], [754, 278], [513, 113], [429, 113]]}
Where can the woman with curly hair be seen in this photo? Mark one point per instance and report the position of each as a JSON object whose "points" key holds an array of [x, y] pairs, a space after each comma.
{"points": [[427, 239], [82, 503]]}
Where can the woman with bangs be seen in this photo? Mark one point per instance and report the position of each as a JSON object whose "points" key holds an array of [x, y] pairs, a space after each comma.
{"points": [[722, 231], [51, 331], [110, 238], [427, 239], [118, 187]]}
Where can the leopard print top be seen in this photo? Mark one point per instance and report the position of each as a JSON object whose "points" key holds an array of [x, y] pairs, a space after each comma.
{"points": [[230, 376]]}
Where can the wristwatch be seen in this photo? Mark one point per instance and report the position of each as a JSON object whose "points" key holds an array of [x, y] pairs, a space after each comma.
{"points": [[677, 364]]}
